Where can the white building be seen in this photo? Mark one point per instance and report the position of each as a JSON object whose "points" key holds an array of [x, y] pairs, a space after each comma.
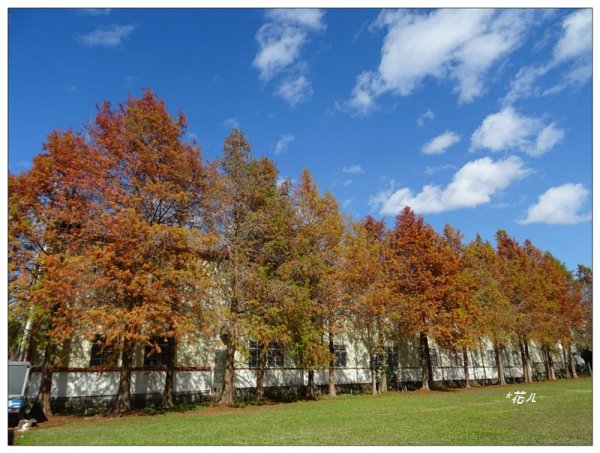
{"points": [[88, 377]]}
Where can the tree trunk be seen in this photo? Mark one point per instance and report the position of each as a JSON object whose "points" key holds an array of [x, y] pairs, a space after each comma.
{"points": [[31, 346], [565, 361], [31, 327], [167, 402], [528, 357], [46, 380], [384, 360], [525, 361], [551, 375], [228, 392], [570, 361], [482, 357], [373, 376], [26, 345], [499, 365], [311, 389], [123, 398], [383, 388], [260, 371], [465, 354], [545, 355], [426, 368], [332, 392], [524, 368], [572, 366], [548, 363]]}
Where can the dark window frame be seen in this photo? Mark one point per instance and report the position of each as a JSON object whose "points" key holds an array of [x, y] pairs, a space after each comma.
{"points": [[457, 357], [434, 356], [393, 357], [516, 358], [154, 358], [340, 355], [275, 355], [101, 354], [253, 354]]}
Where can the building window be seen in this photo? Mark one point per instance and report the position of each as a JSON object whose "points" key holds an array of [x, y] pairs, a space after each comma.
{"points": [[491, 355], [340, 356], [274, 355], [434, 357], [457, 357], [516, 359], [101, 354], [254, 352], [391, 353], [158, 353]]}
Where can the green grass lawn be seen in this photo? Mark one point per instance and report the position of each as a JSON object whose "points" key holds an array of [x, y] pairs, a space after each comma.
{"points": [[561, 415]]}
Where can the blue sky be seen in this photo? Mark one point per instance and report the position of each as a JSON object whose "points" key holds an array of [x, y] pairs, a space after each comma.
{"points": [[477, 118]]}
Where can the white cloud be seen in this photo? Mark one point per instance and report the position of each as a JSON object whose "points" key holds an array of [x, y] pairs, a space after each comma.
{"points": [[508, 130], [108, 37], [279, 48], [503, 130], [379, 199], [523, 84], [577, 75], [424, 117], [355, 169], [574, 48], [559, 205], [441, 143], [548, 137], [368, 87], [306, 17], [282, 38], [474, 184], [295, 90], [419, 46], [284, 141], [576, 40]]}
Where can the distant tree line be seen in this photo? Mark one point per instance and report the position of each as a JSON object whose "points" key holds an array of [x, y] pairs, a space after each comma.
{"points": [[121, 229]]}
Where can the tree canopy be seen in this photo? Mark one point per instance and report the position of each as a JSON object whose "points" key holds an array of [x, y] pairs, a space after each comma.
{"points": [[122, 230]]}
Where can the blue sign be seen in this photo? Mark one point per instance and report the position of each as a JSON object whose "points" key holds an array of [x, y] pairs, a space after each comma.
{"points": [[14, 405]]}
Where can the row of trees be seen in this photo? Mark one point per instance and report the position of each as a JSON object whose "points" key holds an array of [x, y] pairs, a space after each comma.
{"points": [[123, 230]]}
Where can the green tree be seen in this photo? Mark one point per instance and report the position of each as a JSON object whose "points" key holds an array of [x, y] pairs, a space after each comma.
{"points": [[365, 273], [584, 337], [251, 233], [272, 293], [314, 258], [519, 289], [465, 314], [497, 320]]}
